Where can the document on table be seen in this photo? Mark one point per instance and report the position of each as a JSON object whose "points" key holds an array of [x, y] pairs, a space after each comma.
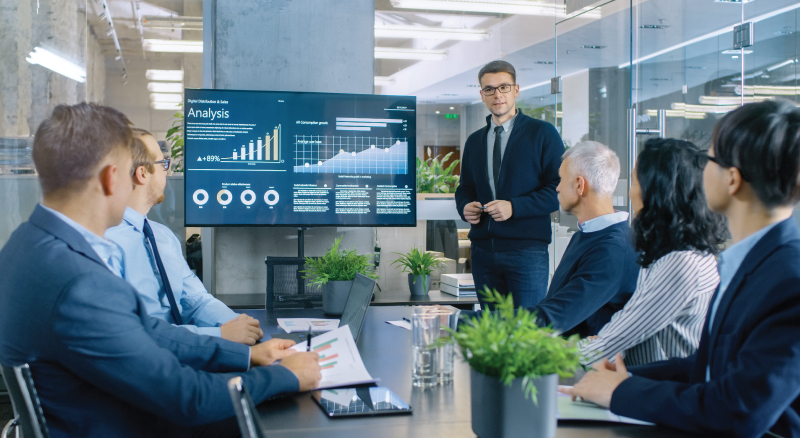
{"points": [[578, 410], [339, 358], [302, 324], [404, 324]]}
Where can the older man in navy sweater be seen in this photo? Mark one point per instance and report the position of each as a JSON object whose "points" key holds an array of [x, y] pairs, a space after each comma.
{"points": [[509, 174]]}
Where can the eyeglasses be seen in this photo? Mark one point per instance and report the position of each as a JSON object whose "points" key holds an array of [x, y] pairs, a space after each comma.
{"points": [[164, 162], [503, 88], [719, 163]]}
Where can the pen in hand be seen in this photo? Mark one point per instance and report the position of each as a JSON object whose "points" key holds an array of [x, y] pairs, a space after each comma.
{"points": [[310, 335]]}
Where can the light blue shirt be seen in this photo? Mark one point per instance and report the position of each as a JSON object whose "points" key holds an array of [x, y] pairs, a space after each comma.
{"points": [[109, 252], [603, 222], [504, 134], [729, 262], [201, 312]]}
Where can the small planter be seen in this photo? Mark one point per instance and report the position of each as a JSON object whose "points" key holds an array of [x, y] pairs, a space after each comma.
{"points": [[502, 411], [334, 296], [416, 286]]}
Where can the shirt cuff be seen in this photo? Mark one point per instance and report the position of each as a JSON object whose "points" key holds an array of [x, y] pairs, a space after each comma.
{"points": [[250, 356]]}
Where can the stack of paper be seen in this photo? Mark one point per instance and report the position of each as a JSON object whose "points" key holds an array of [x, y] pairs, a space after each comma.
{"points": [[302, 324], [460, 285], [584, 411], [339, 358]]}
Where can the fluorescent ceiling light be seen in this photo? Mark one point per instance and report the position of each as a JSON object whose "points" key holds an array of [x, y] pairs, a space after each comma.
{"points": [[165, 106], [782, 64], [164, 75], [384, 80], [712, 109], [711, 35], [736, 52], [731, 100], [165, 87], [520, 7], [432, 33], [56, 63], [418, 54], [769, 90], [679, 113], [166, 97], [180, 46]]}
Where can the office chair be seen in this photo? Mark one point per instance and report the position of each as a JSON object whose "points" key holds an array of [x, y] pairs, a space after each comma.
{"points": [[246, 413], [29, 418], [286, 287]]}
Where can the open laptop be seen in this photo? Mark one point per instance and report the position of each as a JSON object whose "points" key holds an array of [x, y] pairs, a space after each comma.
{"points": [[355, 310]]}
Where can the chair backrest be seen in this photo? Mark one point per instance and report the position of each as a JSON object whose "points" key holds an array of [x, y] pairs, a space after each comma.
{"points": [[286, 287], [25, 401], [246, 413]]}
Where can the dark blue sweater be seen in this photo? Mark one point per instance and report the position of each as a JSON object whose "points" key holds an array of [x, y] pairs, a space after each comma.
{"points": [[528, 179], [596, 277]]}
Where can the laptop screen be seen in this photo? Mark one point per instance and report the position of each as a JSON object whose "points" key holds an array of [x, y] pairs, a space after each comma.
{"points": [[355, 310]]}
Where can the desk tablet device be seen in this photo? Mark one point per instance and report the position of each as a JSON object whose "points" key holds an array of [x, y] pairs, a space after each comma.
{"points": [[360, 402]]}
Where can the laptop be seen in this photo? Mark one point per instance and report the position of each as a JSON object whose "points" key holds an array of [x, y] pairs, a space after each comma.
{"points": [[355, 310]]}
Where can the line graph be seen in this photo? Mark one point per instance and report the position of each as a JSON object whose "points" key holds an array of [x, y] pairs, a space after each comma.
{"points": [[340, 154]]}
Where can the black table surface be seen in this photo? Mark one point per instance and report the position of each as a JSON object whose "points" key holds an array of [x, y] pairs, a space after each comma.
{"points": [[442, 411], [404, 298]]}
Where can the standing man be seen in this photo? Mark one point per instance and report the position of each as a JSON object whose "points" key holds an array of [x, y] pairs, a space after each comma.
{"points": [[153, 260], [509, 174]]}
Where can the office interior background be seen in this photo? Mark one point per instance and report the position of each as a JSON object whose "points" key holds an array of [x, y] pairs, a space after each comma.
{"points": [[625, 71]]}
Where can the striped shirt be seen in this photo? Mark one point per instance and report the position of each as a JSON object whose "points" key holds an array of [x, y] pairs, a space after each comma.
{"points": [[665, 316]]}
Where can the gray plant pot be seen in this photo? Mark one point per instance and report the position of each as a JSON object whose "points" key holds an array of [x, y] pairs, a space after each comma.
{"points": [[503, 412], [334, 296], [415, 284]]}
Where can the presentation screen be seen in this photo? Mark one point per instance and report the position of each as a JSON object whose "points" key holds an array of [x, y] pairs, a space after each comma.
{"points": [[263, 158]]}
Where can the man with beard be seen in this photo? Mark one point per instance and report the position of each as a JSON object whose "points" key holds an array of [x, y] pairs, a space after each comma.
{"points": [[153, 258]]}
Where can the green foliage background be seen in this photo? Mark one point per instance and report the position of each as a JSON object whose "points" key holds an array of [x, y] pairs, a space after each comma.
{"points": [[337, 265], [418, 262], [175, 140], [432, 177]]}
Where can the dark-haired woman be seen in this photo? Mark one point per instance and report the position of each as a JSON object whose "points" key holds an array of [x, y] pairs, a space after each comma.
{"points": [[677, 237]]}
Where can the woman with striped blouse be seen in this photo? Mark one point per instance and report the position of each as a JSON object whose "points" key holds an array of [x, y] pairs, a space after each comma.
{"points": [[677, 237]]}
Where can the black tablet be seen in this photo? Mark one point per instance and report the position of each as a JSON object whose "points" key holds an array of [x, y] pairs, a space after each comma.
{"points": [[359, 402]]}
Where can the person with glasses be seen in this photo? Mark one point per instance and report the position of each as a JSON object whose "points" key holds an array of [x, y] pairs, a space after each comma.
{"points": [[153, 260], [509, 175], [744, 379]]}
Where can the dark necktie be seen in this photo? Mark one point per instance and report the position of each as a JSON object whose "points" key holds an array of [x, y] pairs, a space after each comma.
{"points": [[176, 313], [496, 158]]}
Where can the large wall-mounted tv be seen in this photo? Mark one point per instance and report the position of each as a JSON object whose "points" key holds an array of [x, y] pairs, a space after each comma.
{"points": [[297, 159]]}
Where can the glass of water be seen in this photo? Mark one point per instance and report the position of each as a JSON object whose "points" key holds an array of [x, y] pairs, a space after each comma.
{"points": [[445, 352], [425, 330]]}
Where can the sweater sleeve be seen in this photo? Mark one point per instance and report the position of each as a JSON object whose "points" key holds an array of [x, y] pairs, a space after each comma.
{"points": [[543, 200], [672, 282]]}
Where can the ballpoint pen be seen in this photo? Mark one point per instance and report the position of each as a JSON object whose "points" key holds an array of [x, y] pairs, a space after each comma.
{"points": [[310, 335]]}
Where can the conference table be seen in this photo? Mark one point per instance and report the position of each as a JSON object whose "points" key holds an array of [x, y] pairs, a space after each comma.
{"points": [[442, 411]]}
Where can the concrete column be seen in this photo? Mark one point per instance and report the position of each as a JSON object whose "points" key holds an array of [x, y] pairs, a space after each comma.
{"points": [[285, 45], [15, 79]]}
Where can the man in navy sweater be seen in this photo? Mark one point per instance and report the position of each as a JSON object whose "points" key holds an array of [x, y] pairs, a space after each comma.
{"points": [[744, 379], [598, 272], [509, 174]]}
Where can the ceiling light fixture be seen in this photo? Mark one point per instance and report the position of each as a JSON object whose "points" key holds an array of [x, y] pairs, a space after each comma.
{"points": [[679, 113], [709, 109], [518, 7], [165, 106], [164, 75], [716, 33], [769, 90], [384, 80], [417, 54], [736, 52], [166, 97], [50, 60], [432, 33], [782, 64], [180, 46], [165, 87], [731, 100]]}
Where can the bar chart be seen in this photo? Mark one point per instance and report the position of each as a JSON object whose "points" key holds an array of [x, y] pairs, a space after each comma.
{"points": [[351, 155], [262, 149]]}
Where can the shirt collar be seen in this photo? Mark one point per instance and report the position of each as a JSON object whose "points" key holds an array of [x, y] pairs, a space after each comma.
{"points": [[731, 259], [603, 222], [508, 125], [134, 218]]}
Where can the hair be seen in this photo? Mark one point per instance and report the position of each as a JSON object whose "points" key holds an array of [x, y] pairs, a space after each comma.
{"points": [[674, 215], [498, 67], [141, 156], [762, 140], [74, 140], [597, 163]]}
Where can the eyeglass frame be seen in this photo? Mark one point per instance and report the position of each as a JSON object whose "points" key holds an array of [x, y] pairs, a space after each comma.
{"points": [[165, 162], [719, 163], [495, 89]]}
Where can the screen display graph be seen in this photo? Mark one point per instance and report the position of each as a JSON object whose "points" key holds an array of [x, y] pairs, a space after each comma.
{"points": [[263, 158]]}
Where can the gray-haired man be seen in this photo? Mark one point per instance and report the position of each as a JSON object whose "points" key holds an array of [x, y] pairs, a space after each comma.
{"points": [[597, 274]]}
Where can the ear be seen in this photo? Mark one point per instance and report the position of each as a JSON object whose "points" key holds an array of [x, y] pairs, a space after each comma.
{"points": [[516, 91], [735, 180], [580, 183], [107, 176], [140, 176]]}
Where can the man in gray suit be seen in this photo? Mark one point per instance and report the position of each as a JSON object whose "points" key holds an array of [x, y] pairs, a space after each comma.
{"points": [[101, 365]]}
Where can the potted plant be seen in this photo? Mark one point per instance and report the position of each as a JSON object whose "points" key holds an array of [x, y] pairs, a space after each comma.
{"points": [[432, 177], [335, 272], [419, 265], [175, 141], [514, 370]]}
